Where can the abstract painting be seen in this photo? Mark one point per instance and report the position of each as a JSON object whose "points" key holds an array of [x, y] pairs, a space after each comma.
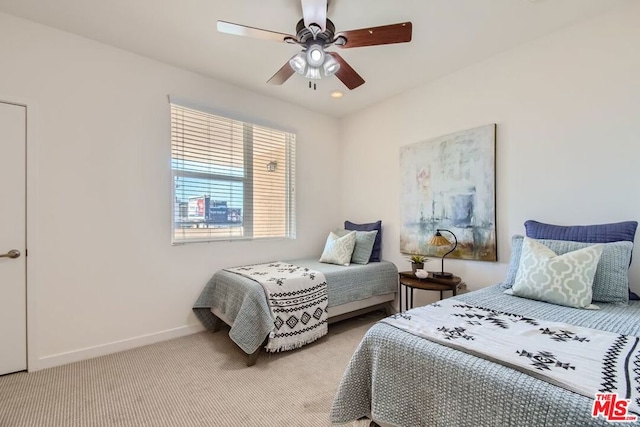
{"points": [[448, 182]]}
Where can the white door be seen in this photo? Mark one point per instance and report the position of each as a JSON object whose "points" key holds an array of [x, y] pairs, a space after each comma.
{"points": [[13, 283]]}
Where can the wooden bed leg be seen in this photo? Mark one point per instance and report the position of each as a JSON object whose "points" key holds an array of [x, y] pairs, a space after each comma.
{"points": [[253, 357]]}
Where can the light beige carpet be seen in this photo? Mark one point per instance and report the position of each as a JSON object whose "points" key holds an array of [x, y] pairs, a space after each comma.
{"points": [[198, 380]]}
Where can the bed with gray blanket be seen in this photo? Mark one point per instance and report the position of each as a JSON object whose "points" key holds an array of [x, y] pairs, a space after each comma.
{"points": [[241, 303], [400, 379]]}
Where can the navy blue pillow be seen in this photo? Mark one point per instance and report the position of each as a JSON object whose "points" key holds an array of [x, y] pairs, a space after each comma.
{"points": [[597, 233], [377, 245]]}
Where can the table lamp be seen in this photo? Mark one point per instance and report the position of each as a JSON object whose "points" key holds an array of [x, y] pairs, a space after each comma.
{"points": [[439, 240]]}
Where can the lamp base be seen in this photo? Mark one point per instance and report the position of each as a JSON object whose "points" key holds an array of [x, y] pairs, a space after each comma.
{"points": [[441, 275]]}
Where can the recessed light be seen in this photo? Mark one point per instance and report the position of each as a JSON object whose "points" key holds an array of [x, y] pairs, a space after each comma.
{"points": [[337, 94]]}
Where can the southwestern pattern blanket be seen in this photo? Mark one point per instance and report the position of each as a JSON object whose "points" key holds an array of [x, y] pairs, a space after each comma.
{"points": [[297, 298], [583, 360]]}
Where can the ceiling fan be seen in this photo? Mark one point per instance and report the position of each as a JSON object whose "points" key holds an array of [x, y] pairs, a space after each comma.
{"points": [[315, 33]]}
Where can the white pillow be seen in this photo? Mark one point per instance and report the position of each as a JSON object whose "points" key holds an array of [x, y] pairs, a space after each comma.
{"points": [[559, 279], [338, 249]]}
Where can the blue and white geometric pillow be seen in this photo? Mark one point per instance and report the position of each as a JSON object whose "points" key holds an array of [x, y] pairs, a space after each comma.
{"points": [[559, 279]]}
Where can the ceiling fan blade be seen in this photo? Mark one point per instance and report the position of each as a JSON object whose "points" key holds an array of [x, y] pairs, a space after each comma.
{"points": [[315, 12], [386, 34], [346, 74], [282, 75], [243, 30]]}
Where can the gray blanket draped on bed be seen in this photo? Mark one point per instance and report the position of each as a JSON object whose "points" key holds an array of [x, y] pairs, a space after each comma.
{"points": [[244, 305], [405, 380]]}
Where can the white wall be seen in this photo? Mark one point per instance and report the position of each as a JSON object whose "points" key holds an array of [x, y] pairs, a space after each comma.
{"points": [[102, 273], [567, 109]]}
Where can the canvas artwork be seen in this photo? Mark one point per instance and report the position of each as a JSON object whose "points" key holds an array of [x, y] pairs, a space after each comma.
{"points": [[448, 182]]}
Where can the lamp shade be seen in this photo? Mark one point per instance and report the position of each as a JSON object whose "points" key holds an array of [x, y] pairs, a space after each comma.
{"points": [[298, 63], [313, 73], [439, 240], [315, 55], [330, 66]]}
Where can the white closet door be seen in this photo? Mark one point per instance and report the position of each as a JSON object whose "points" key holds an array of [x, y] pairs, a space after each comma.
{"points": [[13, 284]]}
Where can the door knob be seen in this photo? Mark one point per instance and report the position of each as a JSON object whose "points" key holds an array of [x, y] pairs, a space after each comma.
{"points": [[13, 253]]}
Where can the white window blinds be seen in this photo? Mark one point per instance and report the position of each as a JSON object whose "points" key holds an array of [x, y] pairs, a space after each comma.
{"points": [[231, 179]]}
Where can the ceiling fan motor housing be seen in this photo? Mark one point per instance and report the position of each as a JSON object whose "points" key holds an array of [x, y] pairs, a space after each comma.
{"points": [[305, 35]]}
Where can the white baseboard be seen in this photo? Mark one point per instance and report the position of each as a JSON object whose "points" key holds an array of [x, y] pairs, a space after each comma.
{"points": [[113, 347]]}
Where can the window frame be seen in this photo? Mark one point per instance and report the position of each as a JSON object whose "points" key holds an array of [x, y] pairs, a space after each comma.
{"points": [[246, 179]]}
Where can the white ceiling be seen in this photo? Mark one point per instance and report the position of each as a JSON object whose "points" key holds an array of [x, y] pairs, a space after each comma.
{"points": [[447, 35]]}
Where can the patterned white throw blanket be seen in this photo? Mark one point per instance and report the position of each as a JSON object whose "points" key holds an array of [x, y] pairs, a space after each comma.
{"points": [[297, 298], [583, 360]]}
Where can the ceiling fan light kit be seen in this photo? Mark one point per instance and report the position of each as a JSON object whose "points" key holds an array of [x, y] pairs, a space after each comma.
{"points": [[315, 33], [310, 64]]}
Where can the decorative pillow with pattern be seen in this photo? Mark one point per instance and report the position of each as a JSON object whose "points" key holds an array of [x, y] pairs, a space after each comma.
{"points": [[559, 279], [364, 245], [611, 283], [338, 249]]}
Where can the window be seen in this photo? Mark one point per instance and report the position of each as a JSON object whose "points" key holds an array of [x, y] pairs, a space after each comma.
{"points": [[231, 179]]}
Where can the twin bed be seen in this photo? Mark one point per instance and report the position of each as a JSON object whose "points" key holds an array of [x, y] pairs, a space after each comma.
{"points": [[240, 302]]}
